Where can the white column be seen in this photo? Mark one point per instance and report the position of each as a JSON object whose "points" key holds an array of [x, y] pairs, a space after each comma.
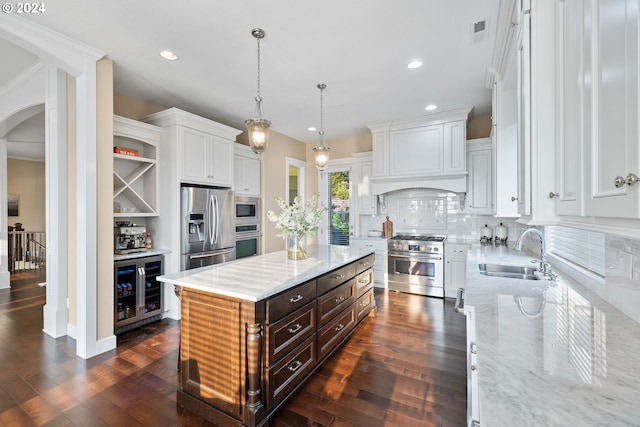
{"points": [[86, 207], [55, 311]]}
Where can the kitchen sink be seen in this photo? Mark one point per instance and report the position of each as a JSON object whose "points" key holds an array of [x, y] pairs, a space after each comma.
{"points": [[508, 271]]}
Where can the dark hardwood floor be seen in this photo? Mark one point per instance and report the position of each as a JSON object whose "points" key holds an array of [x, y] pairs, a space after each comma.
{"points": [[403, 367]]}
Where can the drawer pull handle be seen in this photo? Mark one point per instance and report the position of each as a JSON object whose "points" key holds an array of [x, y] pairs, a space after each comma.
{"points": [[295, 328], [473, 348], [337, 276], [296, 299], [295, 366], [364, 281], [338, 299], [364, 304], [365, 263], [339, 327]]}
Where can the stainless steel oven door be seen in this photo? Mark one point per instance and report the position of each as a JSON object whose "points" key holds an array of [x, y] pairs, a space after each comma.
{"points": [[416, 273], [247, 244]]}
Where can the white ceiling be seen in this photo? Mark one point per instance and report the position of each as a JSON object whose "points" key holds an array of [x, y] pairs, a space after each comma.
{"points": [[359, 48]]}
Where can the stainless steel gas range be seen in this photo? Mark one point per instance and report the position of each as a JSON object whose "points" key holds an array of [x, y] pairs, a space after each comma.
{"points": [[416, 264]]}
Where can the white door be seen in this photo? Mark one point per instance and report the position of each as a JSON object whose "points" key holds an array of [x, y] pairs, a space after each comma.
{"points": [[335, 193]]}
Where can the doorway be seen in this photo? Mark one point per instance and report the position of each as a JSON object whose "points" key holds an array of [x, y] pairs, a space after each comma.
{"points": [[335, 192]]}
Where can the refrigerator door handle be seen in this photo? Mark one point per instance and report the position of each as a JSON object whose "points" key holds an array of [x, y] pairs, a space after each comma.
{"points": [[210, 219], [215, 204]]}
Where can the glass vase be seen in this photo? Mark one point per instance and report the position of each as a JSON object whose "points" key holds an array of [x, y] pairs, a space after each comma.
{"points": [[297, 247]]}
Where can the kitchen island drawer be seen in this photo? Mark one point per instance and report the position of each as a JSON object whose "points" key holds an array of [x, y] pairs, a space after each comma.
{"points": [[364, 281], [285, 303], [335, 278], [331, 334], [335, 301], [365, 304], [290, 331], [287, 374], [364, 263]]}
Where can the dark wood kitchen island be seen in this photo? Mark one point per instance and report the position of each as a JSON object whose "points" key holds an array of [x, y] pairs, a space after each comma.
{"points": [[254, 329]]}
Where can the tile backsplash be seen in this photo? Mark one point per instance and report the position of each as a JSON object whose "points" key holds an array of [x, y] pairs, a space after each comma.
{"points": [[432, 211]]}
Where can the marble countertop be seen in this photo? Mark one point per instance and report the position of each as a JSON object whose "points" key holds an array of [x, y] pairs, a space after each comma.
{"points": [[259, 277], [550, 353]]}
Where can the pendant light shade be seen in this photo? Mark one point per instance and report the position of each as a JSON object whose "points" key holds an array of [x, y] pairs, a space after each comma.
{"points": [[258, 128], [322, 152]]}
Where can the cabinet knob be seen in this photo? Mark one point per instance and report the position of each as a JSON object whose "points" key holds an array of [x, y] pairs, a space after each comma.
{"points": [[513, 199], [632, 179], [552, 194], [619, 181]]}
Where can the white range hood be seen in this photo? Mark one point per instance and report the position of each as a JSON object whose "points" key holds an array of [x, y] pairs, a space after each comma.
{"points": [[422, 152]]}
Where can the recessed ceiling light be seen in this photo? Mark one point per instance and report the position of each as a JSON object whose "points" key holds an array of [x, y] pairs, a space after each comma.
{"points": [[168, 55], [414, 64], [430, 107], [311, 129]]}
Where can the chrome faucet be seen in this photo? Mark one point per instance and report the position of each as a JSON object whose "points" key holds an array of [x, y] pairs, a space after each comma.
{"points": [[545, 267]]}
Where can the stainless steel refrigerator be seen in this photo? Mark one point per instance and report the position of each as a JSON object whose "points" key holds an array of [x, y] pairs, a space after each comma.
{"points": [[207, 229]]}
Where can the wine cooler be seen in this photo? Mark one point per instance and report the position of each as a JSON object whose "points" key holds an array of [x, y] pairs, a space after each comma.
{"points": [[139, 295]]}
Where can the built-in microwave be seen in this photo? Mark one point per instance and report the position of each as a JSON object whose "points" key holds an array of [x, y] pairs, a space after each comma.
{"points": [[247, 210]]}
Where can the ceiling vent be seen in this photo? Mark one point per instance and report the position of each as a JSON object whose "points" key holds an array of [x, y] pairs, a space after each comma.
{"points": [[479, 31]]}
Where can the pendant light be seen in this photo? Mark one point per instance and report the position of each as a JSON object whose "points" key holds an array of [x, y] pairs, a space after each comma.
{"points": [[322, 152], [258, 128]]}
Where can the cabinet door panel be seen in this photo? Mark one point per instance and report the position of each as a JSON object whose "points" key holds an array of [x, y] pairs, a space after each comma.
{"points": [[194, 155], [480, 184], [571, 124], [219, 156], [416, 151], [614, 145], [454, 146]]}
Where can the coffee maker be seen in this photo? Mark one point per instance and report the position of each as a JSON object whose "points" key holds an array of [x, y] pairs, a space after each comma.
{"points": [[129, 239]]}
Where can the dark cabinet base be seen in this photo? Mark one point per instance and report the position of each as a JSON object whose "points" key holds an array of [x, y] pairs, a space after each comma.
{"points": [[241, 360]]}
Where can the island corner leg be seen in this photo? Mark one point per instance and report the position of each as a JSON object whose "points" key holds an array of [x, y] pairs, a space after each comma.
{"points": [[256, 411]]}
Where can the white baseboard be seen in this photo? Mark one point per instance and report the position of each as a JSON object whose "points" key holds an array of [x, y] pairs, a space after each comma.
{"points": [[106, 344], [5, 280]]}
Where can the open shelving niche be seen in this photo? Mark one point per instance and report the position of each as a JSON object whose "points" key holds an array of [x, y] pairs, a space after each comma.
{"points": [[135, 178]]}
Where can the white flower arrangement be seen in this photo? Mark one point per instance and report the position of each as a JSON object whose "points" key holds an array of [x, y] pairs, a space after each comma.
{"points": [[298, 219]]}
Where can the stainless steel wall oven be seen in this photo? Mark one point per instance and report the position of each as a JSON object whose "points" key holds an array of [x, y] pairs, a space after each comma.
{"points": [[247, 210], [247, 226]]}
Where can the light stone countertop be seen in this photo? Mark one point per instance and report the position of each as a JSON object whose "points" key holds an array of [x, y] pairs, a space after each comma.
{"points": [[142, 254], [259, 277], [550, 354]]}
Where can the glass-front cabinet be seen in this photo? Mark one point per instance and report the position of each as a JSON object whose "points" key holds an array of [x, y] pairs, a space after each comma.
{"points": [[138, 294]]}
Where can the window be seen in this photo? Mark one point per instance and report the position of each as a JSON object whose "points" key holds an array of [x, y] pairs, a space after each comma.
{"points": [[580, 247], [295, 184]]}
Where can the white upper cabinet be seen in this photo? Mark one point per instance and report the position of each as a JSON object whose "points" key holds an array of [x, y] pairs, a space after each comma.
{"points": [[597, 98], [426, 151], [479, 198], [246, 171], [536, 113], [613, 153], [202, 148]]}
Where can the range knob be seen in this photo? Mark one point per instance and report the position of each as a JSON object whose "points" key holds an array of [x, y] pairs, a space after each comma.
{"points": [[435, 249], [426, 248], [405, 247]]}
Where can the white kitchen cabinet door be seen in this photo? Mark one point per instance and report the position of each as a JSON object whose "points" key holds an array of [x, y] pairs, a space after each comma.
{"points": [[206, 159], [195, 146], [417, 151], [455, 134], [613, 152], [536, 114], [571, 123], [505, 156], [480, 178], [455, 268], [246, 172], [365, 200]]}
